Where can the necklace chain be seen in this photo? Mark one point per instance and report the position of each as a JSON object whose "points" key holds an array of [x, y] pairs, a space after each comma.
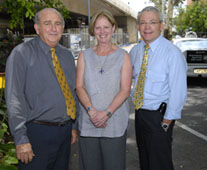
{"points": [[101, 69], [101, 66]]}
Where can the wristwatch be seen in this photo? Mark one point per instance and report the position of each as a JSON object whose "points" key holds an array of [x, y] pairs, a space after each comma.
{"points": [[108, 113], [165, 126]]}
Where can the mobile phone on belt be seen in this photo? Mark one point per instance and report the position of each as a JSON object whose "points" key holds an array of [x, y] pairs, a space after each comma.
{"points": [[162, 108]]}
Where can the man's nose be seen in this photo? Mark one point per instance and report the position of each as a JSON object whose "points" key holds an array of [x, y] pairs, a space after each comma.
{"points": [[147, 24], [53, 27]]}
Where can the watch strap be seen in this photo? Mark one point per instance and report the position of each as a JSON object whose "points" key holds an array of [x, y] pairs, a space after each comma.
{"points": [[108, 113]]}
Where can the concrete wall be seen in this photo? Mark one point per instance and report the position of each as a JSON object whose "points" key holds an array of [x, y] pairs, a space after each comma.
{"points": [[129, 26], [116, 7], [126, 17], [132, 30], [77, 6]]}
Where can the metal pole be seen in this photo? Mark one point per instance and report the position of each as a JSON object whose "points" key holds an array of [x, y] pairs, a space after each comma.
{"points": [[89, 8], [163, 10], [89, 14]]}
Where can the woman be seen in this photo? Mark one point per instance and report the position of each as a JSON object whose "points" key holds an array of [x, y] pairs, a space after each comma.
{"points": [[103, 85]]}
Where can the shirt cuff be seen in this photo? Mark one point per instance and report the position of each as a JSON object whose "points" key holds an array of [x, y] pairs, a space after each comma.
{"points": [[21, 139], [172, 114], [75, 124]]}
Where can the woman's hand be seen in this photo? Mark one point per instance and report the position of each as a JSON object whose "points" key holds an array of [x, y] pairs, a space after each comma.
{"points": [[92, 112], [100, 119]]}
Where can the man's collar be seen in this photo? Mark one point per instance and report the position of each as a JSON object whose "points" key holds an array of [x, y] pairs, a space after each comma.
{"points": [[153, 45], [45, 48]]}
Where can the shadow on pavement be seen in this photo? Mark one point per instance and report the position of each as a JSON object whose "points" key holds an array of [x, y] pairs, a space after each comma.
{"points": [[197, 81]]}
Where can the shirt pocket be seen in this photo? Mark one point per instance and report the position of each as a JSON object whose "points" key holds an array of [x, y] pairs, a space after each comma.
{"points": [[155, 82]]}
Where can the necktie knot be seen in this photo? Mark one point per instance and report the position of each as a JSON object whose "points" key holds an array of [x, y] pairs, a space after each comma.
{"points": [[147, 47], [52, 50]]}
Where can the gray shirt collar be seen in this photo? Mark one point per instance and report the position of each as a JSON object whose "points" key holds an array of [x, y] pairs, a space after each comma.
{"points": [[44, 47]]}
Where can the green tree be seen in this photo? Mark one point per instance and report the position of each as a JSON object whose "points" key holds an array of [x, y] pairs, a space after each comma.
{"points": [[167, 8], [21, 9], [194, 18]]}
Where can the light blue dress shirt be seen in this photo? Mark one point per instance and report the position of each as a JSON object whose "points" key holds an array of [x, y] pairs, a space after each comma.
{"points": [[166, 79]]}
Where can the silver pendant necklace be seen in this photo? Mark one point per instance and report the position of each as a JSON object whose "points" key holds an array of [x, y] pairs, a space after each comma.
{"points": [[101, 69]]}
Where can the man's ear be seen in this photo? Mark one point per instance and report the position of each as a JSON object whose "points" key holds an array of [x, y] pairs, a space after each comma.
{"points": [[36, 27], [161, 26]]}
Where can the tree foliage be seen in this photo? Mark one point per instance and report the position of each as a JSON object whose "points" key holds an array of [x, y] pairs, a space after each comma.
{"points": [[194, 18], [167, 8], [158, 3], [8, 158], [20, 9]]}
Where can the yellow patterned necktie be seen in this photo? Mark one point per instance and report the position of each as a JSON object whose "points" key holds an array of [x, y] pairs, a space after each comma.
{"points": [[69, 100], [139, 93]]}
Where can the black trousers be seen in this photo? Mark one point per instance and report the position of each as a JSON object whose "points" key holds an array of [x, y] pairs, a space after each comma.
{"points": [[154, 144], [51, 146]]}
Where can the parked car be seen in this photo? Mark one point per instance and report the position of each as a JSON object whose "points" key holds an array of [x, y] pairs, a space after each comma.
{"points": [[195, 51]]}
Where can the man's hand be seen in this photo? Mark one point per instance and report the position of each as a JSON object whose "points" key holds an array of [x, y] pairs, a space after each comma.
{"points": [[167, 121], [74, 136], [24, 153], [165, 124]]}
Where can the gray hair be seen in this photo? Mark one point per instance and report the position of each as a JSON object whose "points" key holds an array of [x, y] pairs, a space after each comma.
{"points": [[37, 15], [153, 9]]}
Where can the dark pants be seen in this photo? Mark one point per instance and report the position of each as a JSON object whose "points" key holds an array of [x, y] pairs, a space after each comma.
{"points": [[154, 144], [51, 146], [102, 153]]}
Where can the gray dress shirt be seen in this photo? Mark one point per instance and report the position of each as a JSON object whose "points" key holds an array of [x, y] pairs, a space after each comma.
{"points": [[32, 89]]}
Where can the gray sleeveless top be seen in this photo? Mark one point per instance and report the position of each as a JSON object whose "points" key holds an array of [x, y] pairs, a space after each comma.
{"points": [[102, 88]]}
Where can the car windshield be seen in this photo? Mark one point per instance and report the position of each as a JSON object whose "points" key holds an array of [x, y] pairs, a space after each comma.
{"points": [[192, 44]]}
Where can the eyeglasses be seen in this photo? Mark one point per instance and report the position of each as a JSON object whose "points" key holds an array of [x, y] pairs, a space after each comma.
{"points": [[152, 23]]}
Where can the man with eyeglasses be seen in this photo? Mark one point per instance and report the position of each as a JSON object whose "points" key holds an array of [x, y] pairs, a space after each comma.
{"points": [[159, 91]]}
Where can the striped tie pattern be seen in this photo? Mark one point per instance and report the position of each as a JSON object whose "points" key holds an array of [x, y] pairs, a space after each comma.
{"points": [[69, 100], [139, 93]]}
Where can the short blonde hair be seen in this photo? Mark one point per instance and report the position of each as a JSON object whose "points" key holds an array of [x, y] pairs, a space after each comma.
{"points": [[99, 13]]}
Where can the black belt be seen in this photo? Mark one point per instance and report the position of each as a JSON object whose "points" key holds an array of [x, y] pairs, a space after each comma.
{"points": [[161, 109], [51, 123]]}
